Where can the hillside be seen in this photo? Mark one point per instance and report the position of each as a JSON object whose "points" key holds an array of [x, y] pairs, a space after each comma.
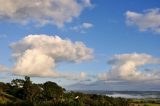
{"points": [[21, 92]]}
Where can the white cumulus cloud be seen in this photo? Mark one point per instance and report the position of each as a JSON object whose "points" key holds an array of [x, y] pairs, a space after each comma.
{"points": [[42, 12], [38, 55], [148, 20], [127, 67]]}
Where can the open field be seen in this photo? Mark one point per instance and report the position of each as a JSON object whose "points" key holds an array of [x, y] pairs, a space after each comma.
{"points": [[144, 104]]}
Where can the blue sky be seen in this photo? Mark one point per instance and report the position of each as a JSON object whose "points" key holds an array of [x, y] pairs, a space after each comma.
{"points": [[125, 32]]}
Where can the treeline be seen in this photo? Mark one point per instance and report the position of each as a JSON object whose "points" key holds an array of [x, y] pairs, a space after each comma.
{"points": [[21, 92]]}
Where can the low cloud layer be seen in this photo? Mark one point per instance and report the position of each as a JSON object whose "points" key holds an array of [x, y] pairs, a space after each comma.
{"points": [[42, 12], [116, 86], [38, 55], [130, 67], [148, 20]]}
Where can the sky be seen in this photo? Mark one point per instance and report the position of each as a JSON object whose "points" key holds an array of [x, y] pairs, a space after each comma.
{"points": [[82, 44]]}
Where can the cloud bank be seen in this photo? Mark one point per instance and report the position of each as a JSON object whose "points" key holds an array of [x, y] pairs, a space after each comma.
{"points": [[148, 20], [132, 71], [129, 67], [42, 12], [38, 55]]}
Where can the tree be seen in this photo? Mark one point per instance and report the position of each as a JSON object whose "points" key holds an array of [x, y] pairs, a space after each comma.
{"points": [[52, 90], [2, 85], [15, 88], [27, 88], [36, 92], [17, 83]]}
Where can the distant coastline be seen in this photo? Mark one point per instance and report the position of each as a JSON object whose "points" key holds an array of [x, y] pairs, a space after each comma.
{"points": [[126, 94]]}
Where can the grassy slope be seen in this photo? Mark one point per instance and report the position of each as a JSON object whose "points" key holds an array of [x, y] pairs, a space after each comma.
{"points": [[4, 98]]}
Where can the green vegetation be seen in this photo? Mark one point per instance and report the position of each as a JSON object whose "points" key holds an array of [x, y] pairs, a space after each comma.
{"points": [[145, 102], [21, 92]]}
